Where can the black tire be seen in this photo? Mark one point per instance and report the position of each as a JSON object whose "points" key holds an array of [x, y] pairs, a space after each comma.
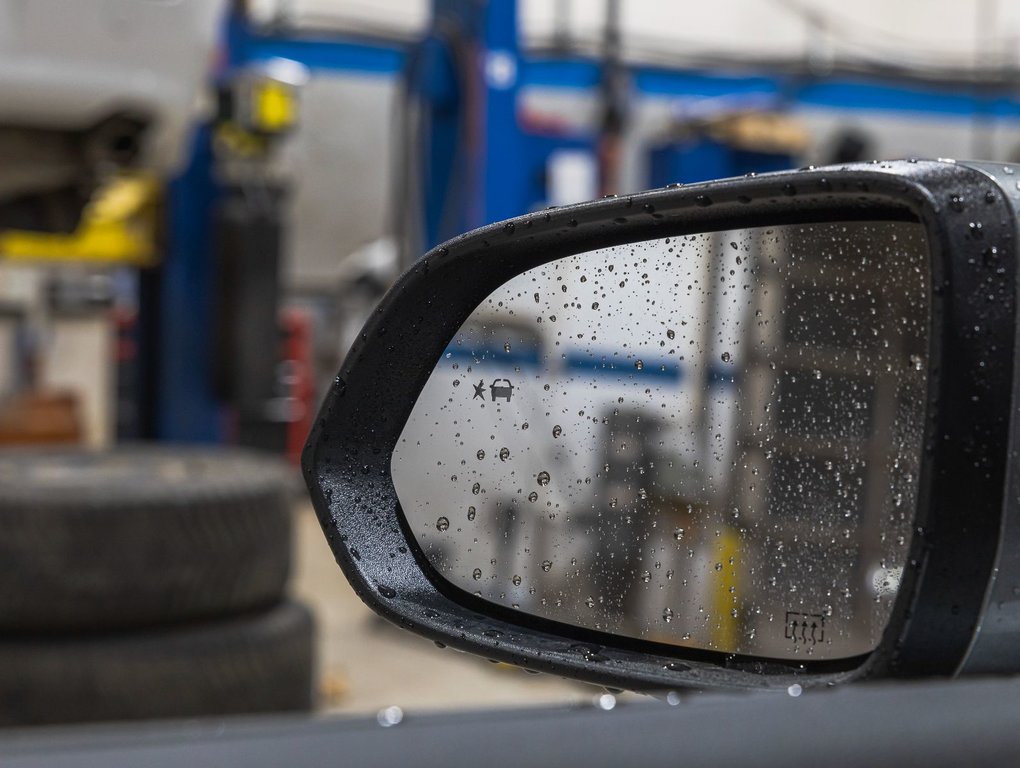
{"points": [[248, 664], [139, 536]]}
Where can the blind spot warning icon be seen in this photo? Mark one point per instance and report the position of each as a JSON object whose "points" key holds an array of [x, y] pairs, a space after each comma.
{"points": [[504, 389]]}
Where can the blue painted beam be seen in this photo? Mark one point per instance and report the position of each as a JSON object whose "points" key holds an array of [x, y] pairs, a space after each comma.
{"points": [[332, 54], [841, 92]]}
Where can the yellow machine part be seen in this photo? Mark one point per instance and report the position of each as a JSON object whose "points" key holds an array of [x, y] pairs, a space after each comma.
{"points": [[117, 227], [274, 106]]}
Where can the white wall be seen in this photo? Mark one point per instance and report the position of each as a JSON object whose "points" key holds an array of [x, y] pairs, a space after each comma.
{"points": [[946, 32]]}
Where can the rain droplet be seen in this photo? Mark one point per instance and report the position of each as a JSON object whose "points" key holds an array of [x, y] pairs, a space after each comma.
{"points": [[546, 565], [471, 513], [670, 334], [726, 357], [516, 580], [532, 497], [506, 347], [667, 615], [480, 455], [646, 576], [590, 602], [476, 489], [442, 524], [557, 431], [678, 534], [504, 454], [543, 478], [639, 364], [476, 574]]}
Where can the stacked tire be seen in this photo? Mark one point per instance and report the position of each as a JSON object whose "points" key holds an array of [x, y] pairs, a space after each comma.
{"points": [[147, 582]]}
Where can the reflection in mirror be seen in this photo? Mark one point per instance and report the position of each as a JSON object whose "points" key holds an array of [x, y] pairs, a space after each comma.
{"points": [[711, 441]]}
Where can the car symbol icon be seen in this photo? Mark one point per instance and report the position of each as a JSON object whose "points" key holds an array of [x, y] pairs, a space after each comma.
{"points": [[506, 389]]}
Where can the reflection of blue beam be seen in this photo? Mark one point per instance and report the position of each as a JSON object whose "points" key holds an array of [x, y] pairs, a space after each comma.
{"points": [[603, 365], [595, 365], [476, 355], [721, 377]]}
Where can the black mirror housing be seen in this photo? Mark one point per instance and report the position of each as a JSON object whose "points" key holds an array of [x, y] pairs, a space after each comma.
{"points": [[956, 609]]}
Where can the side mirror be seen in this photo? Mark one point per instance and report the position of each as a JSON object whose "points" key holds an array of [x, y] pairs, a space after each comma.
{"points": [[746, 433]]}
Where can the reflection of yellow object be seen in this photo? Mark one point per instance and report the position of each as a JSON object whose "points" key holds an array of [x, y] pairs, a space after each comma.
{"points": [[118, 226], [727, 626]]}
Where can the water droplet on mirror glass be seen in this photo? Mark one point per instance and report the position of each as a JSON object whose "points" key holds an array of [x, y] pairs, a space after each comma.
{"points": [[557, 431], [504, 454], [546, 565], [442, 524], [543, 478], [476, 574], [480, 455]]}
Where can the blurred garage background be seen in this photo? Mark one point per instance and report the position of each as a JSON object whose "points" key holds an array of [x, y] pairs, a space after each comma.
{"points": [[200, 203]]}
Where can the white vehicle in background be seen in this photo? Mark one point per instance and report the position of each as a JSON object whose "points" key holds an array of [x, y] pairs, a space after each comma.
{"points": [[88, 87]]}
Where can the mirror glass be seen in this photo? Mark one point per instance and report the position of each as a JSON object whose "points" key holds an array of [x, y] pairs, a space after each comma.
{"points": [[710, 440]]}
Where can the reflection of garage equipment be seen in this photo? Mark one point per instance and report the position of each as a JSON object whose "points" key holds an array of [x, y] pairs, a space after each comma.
{"points": [[501, 388]]}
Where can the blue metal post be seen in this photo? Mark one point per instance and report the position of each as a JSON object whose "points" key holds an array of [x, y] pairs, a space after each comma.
{"points": [[504, 182], [186, 409]]}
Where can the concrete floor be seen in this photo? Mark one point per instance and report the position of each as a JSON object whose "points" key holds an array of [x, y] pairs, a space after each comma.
{"points": [[367, 664]]}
